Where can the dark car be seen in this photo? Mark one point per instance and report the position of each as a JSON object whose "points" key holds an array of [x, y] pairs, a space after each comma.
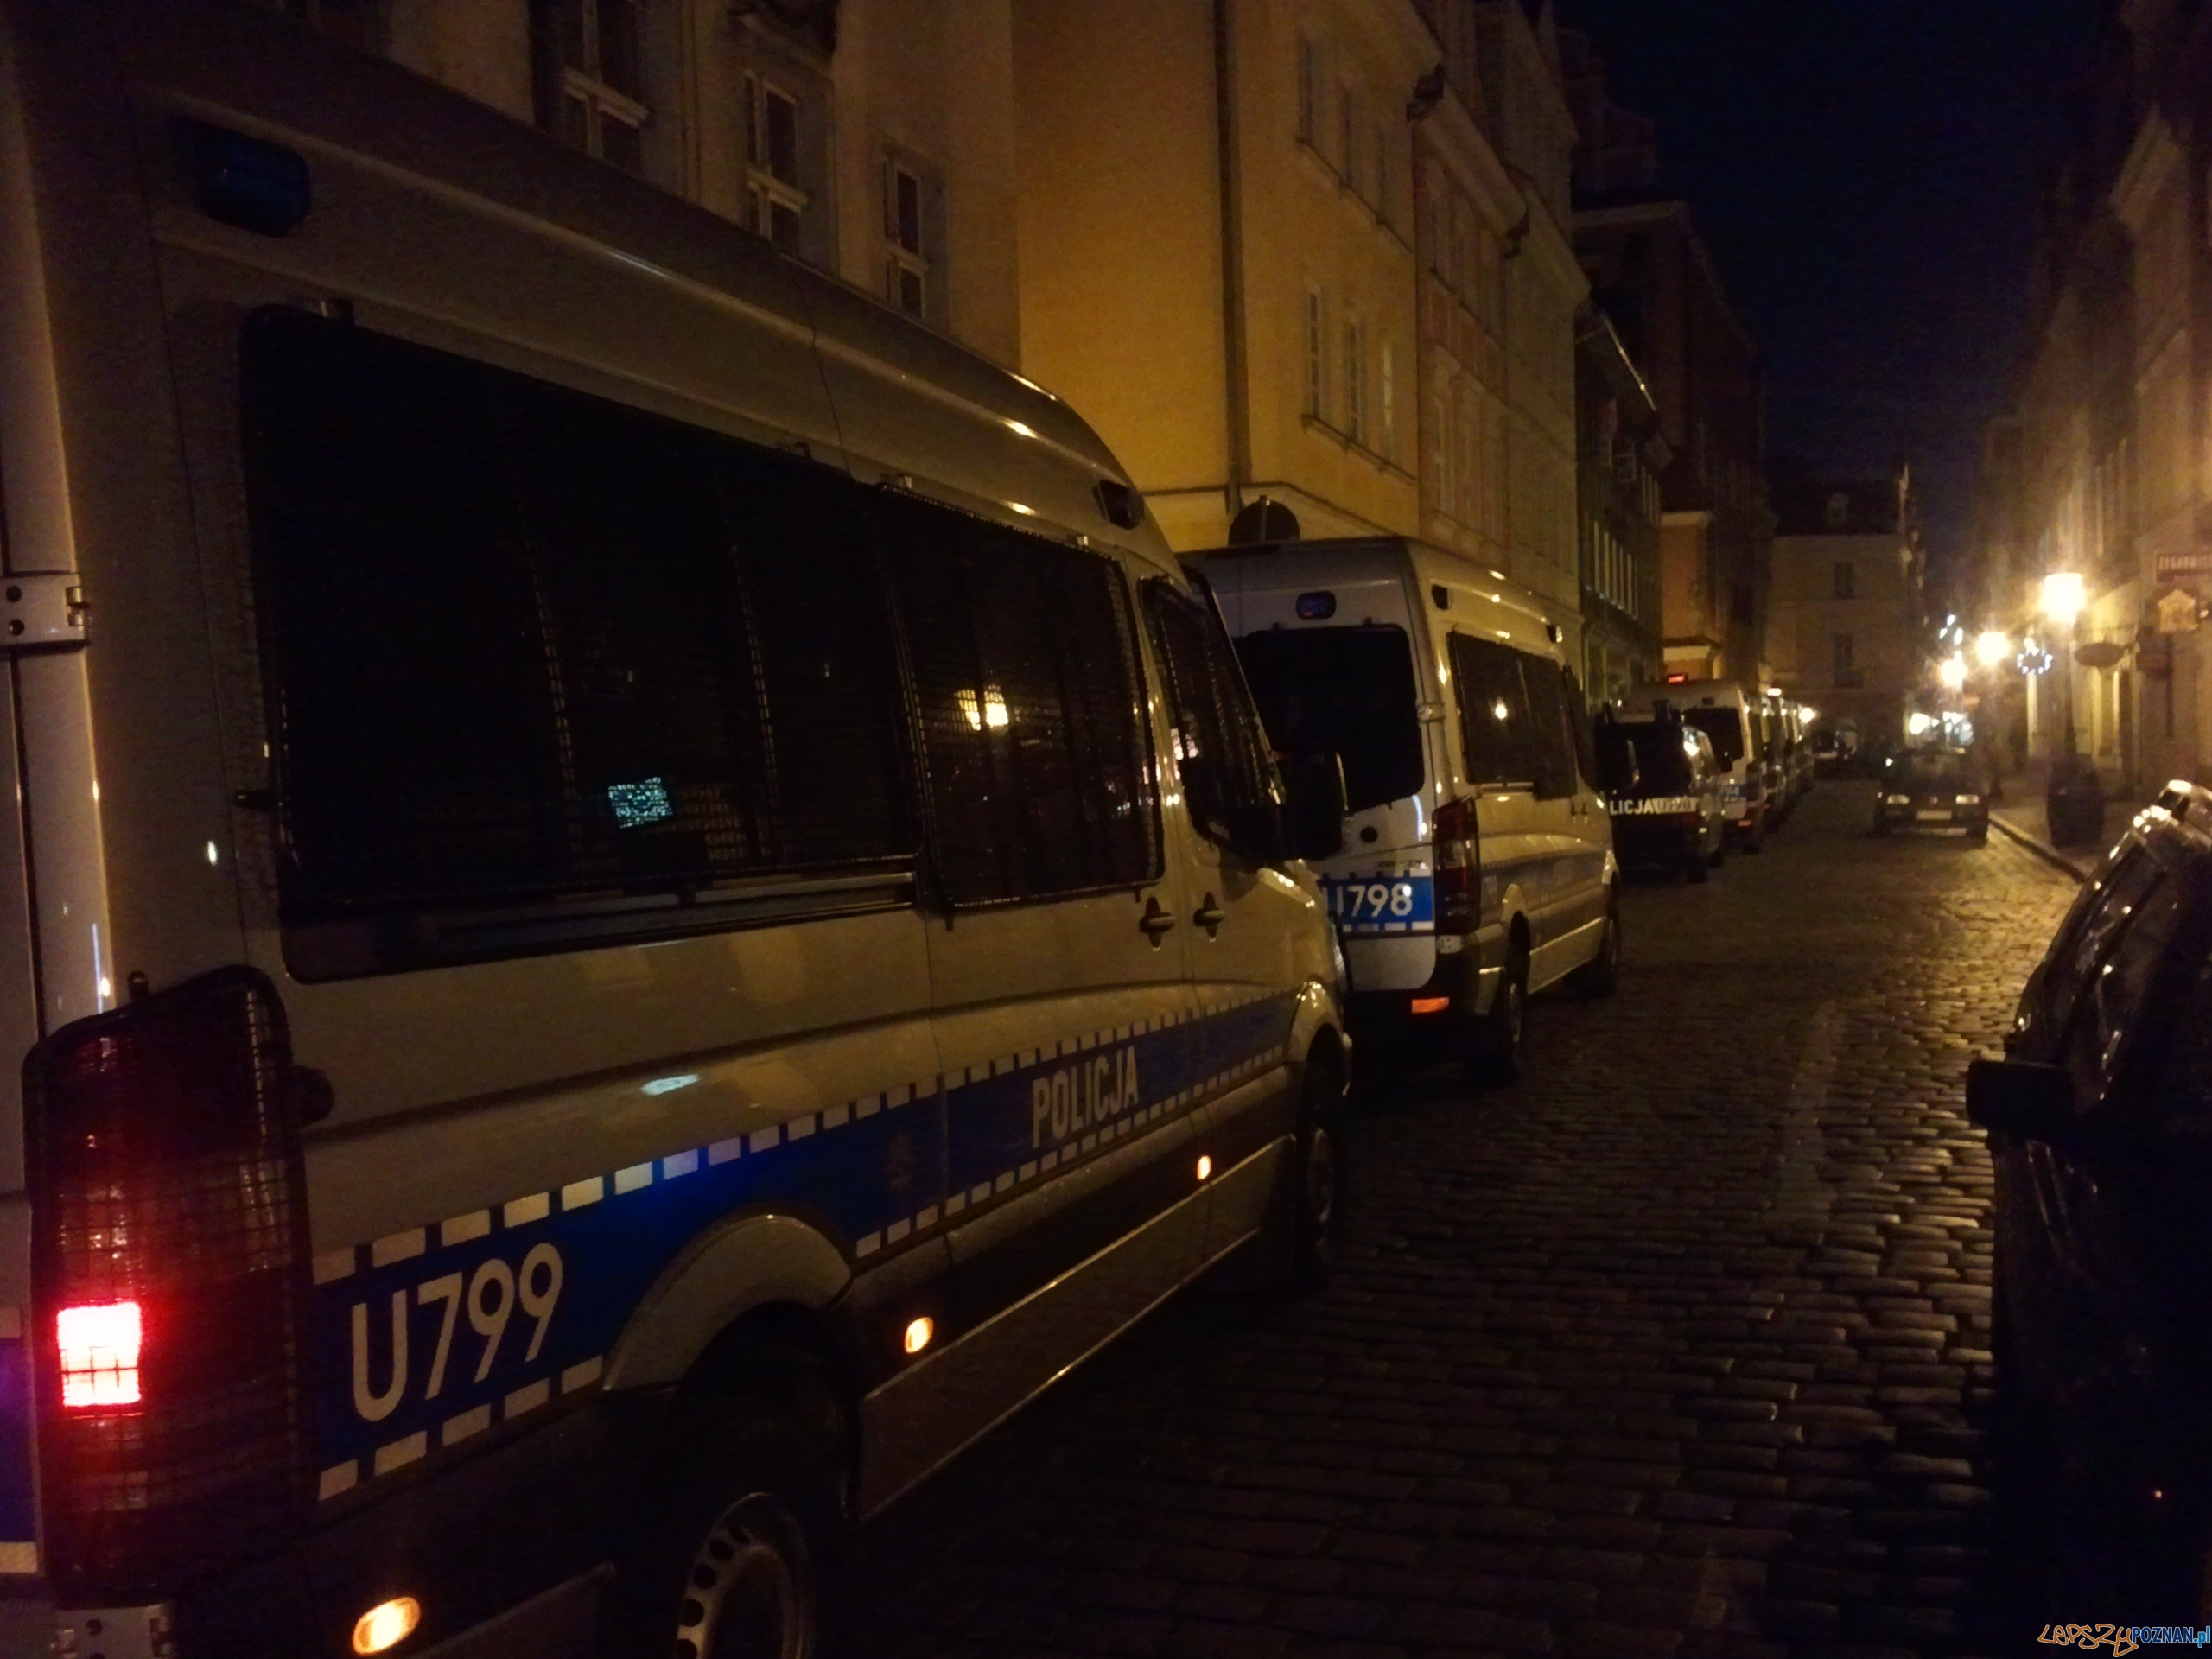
{"points": [[1663, 788], [2100, 1122], [1931, 788]]}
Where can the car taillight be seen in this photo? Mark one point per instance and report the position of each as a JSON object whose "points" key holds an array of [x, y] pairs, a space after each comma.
{"points": [[1458, 868], [170, 1268]]}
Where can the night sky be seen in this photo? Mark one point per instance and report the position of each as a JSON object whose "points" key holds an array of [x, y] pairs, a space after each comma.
{"points": [[1865, 172]]}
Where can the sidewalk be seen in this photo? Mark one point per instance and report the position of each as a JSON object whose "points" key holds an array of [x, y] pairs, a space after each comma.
{"points": [[2018, 811]]}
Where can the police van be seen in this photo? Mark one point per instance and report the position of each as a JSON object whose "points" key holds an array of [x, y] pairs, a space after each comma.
{"points": [[1477, 865], [1735, 719], [641, 900]]}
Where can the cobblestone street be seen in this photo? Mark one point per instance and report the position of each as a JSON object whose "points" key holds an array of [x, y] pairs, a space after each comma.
{"points": [[1678, 1347]]}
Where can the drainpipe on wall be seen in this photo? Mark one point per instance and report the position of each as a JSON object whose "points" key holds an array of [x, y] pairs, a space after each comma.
{"points": [[1237, 409]]}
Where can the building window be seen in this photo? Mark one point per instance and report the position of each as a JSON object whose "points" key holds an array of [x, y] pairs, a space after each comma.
{"points": [[1309, 83], [1847, 670], [1390, 403], [775, 202], [1382, 174], [910, 235], [1355, 380], [1846, 579], [1317, 355], [1347, 125], [595, 83]]}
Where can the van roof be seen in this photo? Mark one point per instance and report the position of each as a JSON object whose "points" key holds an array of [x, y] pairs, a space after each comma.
{"points": [[272, 78], [1303, 563]]}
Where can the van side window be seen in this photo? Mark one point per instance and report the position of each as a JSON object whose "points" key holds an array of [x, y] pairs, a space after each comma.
{"points": [[1497, 725], [1551, 733], [1221, 753], [1578, 723], [525, 644], [1022, 657]]}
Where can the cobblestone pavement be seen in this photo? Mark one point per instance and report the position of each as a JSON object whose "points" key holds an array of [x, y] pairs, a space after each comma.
{"points": [[1678, 1347]]}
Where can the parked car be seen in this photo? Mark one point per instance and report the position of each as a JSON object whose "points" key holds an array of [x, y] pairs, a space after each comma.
{"points": [[1832, 756], [1477, 862], [1663, 788], [1733, 717], [2099, 1121], [1931, 788], [651, 902]]}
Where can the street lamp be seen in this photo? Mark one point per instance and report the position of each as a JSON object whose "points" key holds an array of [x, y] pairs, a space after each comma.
{"points": [[1952, 673], [1992, 648], [2064, 596], [2074, 800]]}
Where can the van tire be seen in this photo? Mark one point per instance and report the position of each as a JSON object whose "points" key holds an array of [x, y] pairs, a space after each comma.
{"points": [[1500, 1034], [1755, 833], [741, 1542], [1601, 975], [1697, 869]]}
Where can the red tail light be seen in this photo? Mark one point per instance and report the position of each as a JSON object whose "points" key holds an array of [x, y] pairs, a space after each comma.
{"points": [[99, 1348], [1458, 868], [170, 1236]]}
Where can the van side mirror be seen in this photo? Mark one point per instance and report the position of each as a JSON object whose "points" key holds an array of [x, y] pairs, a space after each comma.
{"points": [[2021, 1097], [1314, 817]]}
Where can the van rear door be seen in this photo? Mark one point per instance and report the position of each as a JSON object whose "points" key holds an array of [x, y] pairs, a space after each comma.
{"points": [[1341, 668]]}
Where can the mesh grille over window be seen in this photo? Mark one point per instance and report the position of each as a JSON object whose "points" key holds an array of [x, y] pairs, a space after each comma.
{"points": [[1226, 766], [525, 643], [1026, 690]]}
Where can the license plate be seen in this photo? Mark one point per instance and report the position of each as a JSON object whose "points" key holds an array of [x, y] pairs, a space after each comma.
{"points": [[1934, 815], [1383, 904]]}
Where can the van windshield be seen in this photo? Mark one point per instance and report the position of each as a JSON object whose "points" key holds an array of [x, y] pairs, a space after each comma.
{"points": [[1662, 755], [1725, 726], [1349, 691]]}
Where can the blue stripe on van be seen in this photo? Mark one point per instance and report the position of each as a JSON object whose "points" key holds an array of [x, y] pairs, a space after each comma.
{"points": [[512, 1306], [18, 1488]]}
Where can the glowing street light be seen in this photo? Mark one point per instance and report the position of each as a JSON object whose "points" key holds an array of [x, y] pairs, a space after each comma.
{"points": [[2064, 596], [1952, 672], [1993, 647]]}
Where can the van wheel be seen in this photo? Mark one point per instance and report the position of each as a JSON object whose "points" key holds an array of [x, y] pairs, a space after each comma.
{"points": [[1601, 975], [1755, 833], [1499, 1035], [735, 1563], [1697, 869]]}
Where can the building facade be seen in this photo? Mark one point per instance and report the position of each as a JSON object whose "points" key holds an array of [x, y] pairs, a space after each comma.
{"points": [[1623, 455], [1845, 623], [1306, 266], [1220, 273], [2099, 467], [1652, 275], [871, 138]]}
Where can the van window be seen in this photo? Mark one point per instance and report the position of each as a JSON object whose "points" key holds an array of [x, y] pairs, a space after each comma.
{"points": [[1023, 657], [1345, 691], [1515, 719], [1551, 727], [1663, 754], [1725, 726], [524, 644], [1222, 754]]}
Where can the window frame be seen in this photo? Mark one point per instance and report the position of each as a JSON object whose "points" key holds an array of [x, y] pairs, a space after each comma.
{"points": [[766, 191], [586, 84], [1226, 681], [902, 261]]}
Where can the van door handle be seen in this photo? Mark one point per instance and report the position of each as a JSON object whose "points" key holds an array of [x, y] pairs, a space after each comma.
{"points": [[1210, 916], [1155, 922]]}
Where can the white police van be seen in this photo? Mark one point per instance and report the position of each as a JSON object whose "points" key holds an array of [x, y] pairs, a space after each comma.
{"points": [[641, 900], [1477, 865], [1735, 719]]}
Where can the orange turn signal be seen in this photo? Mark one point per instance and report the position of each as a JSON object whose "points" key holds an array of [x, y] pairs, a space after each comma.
{"points": [[1431, 1004]]}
